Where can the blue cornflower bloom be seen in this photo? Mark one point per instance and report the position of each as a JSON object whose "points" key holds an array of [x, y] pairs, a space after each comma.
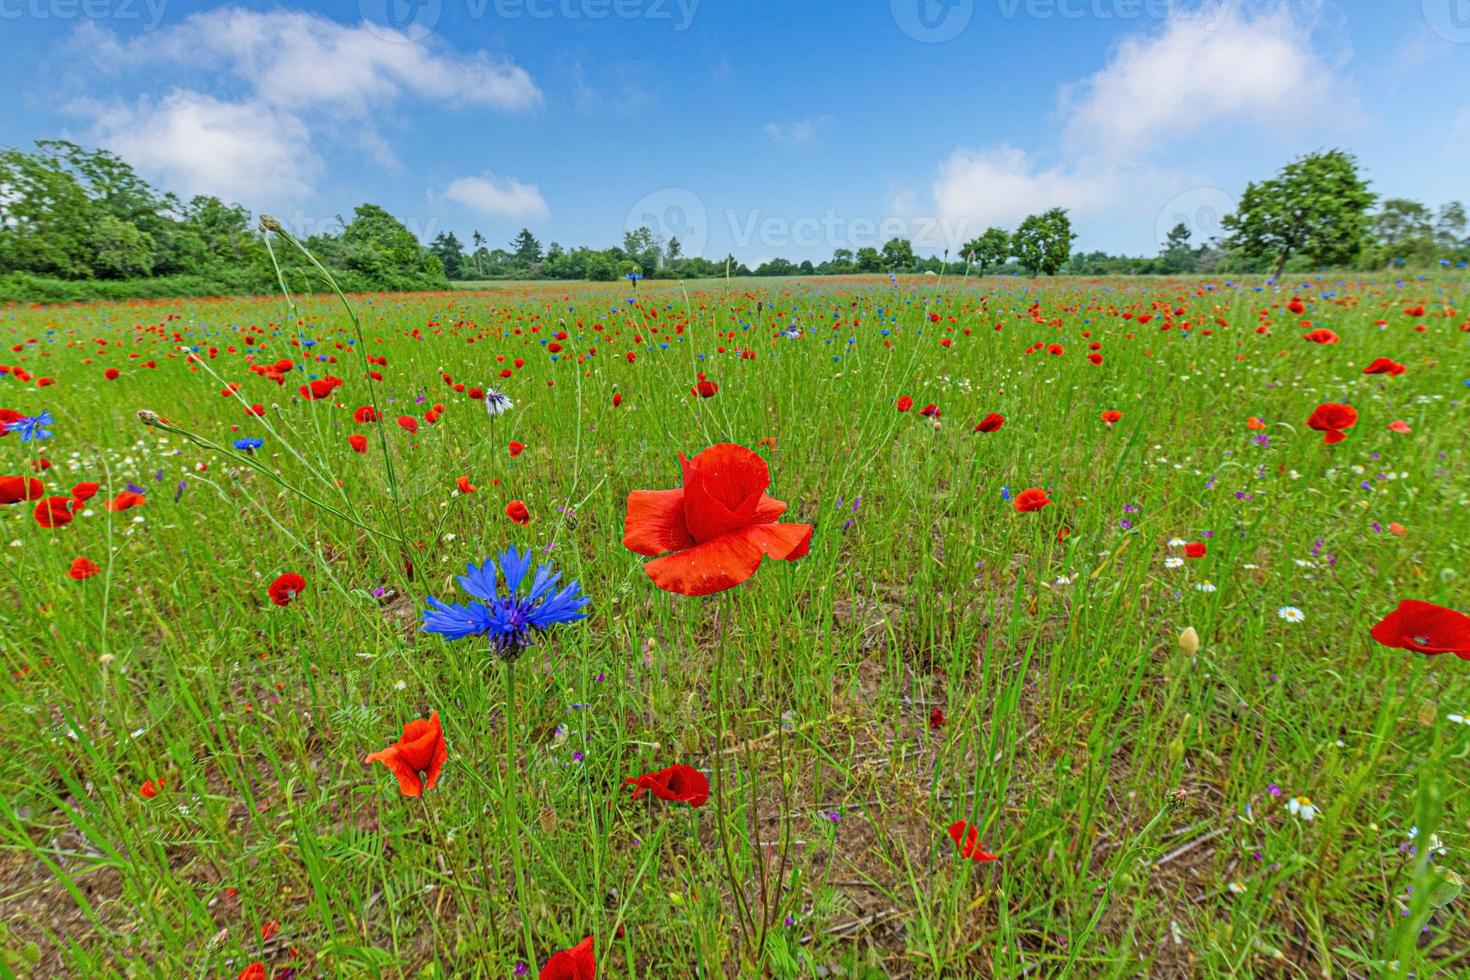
{"points": [[511, 618], [29, 427], [249, 443]]}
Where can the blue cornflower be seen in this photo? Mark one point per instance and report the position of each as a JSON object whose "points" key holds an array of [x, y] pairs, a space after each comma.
{"points": [[248, 444], [510, 619], [29, 427]]}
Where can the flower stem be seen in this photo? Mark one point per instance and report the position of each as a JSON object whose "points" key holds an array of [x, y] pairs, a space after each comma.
{"points": [[513, 799]]}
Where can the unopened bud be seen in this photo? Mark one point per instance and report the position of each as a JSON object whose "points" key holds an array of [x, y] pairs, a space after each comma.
{"points": [[1189, 641]]}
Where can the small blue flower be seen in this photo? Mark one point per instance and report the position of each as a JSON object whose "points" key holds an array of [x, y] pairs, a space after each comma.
{"points": [[30, 427], [510, 618], [248, 444]]}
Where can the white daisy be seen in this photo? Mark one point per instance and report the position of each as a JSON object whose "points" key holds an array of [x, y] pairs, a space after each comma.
{"points": [[1291, 614], [1173, 562], [1300, 806]]}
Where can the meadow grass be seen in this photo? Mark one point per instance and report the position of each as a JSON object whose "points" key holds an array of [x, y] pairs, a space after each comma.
{"points": [[1137, 793]]}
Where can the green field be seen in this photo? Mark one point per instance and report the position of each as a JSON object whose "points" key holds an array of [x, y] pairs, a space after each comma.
{"points": [[1287, 799]]}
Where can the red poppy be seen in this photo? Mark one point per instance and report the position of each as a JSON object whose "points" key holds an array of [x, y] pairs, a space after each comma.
{"points": [[576, 963], [517, 512], [937, 720], [967, 839], [320, 388], [1331, 418], [1254, 424], [83, 568], [126, 500], [408, 424], [358, 442], [464, 484], [84, 492], [286, 588], [930, 410], [1031, 500], [111, 374], [417, 757], [150, 787], [991, 423], [905, 403], [1384, 365], [255, 971], [1400, 426], [1296, 306], [617, 399], [1321, 336], [1425, 628], [54, 511], [14, 489], [677, 784], [516, 448], [705, 389], [1111, 416], [365, 414], [720, 525], [1195, 549]]}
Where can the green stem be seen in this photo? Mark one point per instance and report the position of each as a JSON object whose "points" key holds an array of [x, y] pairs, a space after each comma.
{"points": [[513, 794]]}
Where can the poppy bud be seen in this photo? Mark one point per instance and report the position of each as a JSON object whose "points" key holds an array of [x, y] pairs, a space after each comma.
{"points": [[1189, 641]]}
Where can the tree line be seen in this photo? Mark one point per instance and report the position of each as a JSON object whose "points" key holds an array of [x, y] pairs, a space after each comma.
{"points": [[78, 223]]}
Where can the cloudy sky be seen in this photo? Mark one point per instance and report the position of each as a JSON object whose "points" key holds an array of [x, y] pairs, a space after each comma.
{"points": [[789, 128]]}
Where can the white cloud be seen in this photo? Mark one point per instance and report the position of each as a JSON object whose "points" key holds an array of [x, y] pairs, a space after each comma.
{"points": [[799, 131], [242, 151], [1255, 67], [499, 197], [302, 61], [291, 78], [1001, 185]]}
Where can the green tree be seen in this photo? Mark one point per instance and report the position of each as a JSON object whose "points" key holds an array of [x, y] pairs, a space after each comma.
{"points": [[1177, 256], [450, 252], [868, 259], [1317, 206], [1043, 242], [992, 248], [479, 242], [898, 254], [526, 249], [1449, 226]]}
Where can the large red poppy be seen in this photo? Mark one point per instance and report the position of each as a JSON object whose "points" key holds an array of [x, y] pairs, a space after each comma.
{"points": [[677, 784], [83, 568], [576, 963], [14, 489], [320, 388], [126, 500], [991, 423], [286, 588], [1384, 365], [1031, 500], [967, 839], [720, 525], [1425, 628], [417, 757], [1331, 418], [54, 511]]}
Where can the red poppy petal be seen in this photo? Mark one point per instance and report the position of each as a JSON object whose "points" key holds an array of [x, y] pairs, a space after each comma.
{"points": [[408, 778], [708, 568], [655, 523], [786, 542], [768, 510]]}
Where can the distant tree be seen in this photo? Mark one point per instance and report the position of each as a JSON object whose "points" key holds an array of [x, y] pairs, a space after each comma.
{"points": [[1043, 242], [806, 268], [450, 252], [990, 249], [1449, 226], [479, 243], [674, 249], [869, 260], [776, 267], [1177, 257], [898, 254], [1317, 206], [526, 249]]}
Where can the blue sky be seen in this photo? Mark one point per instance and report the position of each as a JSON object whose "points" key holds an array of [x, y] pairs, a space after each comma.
{"points": [[763, 129]]}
